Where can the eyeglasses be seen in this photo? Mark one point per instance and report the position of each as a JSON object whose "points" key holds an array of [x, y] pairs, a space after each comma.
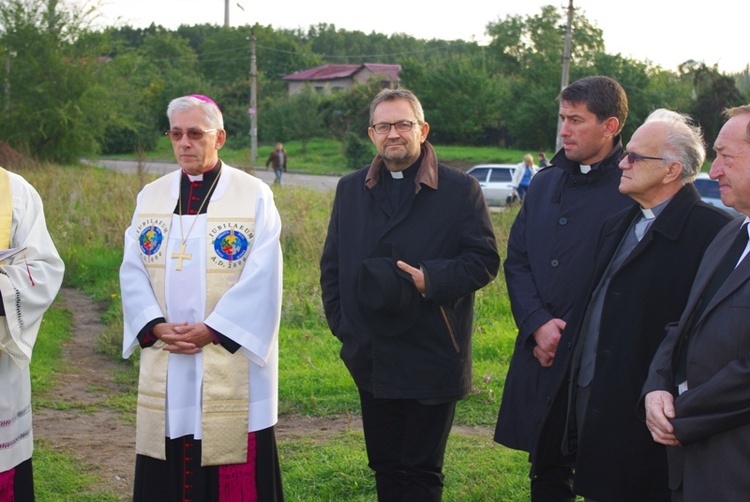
{"points": [[632, 157], [194, 134], [385, 127]]}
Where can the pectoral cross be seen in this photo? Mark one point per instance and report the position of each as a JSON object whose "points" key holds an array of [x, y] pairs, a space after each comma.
{"points": [[182, 255]]}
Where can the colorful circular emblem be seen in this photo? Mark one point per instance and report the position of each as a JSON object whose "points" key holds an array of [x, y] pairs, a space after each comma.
{"points": [[150, 240], [230, 245]]}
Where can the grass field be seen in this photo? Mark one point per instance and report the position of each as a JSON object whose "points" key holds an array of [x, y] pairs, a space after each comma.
{"points": [[87, 211]]}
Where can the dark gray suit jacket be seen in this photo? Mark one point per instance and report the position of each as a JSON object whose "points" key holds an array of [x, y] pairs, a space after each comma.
{"points": [[713, 416]]}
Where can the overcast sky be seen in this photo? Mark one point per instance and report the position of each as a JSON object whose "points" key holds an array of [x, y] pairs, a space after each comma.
{"points": [[665, 32]]}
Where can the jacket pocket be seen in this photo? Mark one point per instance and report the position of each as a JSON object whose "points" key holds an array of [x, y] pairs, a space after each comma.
{"points": [[451, 331]]}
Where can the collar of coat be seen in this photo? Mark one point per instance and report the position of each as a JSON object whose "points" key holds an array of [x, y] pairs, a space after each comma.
{"points": [[427, 173], [611, 161], [674, 216]]}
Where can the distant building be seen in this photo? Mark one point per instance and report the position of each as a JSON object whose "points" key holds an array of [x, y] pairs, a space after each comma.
{"points": [[334, 77]]}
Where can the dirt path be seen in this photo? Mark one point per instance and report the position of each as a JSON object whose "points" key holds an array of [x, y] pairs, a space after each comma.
{"points": [[74, 421]]}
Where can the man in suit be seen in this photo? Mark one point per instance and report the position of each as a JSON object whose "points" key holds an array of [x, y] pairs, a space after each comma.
{"points": [[647, 256], [697, 395]]}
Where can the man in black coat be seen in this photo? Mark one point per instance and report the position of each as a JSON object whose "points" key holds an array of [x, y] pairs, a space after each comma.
{"points": [[409, 242], [551, 248], [697, 395], [646, 262]]}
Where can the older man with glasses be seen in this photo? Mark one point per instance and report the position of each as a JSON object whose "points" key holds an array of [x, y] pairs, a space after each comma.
{"points": [[201, 296], [409, 242]]}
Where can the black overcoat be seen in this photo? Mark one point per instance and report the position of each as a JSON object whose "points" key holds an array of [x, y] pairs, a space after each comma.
{"points": [[551, 250], [445, 228], [617, 460]]}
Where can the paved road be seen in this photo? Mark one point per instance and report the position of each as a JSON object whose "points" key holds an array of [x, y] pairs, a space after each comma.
{"points": [[160, 168]]}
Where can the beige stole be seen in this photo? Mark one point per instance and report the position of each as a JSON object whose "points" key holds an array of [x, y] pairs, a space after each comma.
{"points": [[225, 399], [6, 209]]}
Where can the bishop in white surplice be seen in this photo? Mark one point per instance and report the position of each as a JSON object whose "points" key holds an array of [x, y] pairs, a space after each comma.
{"points": [[201, 283]]}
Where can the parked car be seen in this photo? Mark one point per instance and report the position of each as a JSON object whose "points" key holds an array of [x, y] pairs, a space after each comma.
{"points": [[495, 180], [709, 190]]}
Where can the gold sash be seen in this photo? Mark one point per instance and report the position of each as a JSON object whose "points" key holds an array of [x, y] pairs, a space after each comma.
{"points": [[225, 398], [6, 209]]}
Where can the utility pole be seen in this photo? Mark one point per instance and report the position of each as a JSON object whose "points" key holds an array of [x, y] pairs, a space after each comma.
{"points": [[52, 12], [6, 86], [253, 103], [226, 13], [565, 67]]}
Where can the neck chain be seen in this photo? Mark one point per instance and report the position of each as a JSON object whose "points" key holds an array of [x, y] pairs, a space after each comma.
{"points": [[182, 255]]}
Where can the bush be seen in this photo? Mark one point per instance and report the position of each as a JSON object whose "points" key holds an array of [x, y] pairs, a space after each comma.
{"points": [[118, 139], [357, 151]]}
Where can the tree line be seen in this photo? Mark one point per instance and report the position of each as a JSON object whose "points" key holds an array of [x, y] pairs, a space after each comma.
{"points": [[70, 90]]}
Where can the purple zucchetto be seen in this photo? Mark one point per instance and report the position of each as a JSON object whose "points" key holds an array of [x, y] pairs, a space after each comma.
{"points": [[204, 98]]}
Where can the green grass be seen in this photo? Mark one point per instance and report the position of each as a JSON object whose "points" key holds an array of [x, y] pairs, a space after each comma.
{"points": [[334, 468], [63, 478], [45, 362], [87, 212]]}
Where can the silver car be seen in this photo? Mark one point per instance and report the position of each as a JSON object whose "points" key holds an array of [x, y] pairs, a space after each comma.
{"points": [[496, 182], [710, 193]]}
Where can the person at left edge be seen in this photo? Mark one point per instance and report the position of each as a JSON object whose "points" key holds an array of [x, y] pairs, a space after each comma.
{"points": [[406, 340], [201, 284], [29, 282]]}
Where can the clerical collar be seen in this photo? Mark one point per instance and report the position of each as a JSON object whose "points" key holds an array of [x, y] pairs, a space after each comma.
{"points": [[196, 190], [655, 211], [210, 174], [585, 169], [409, 172]]}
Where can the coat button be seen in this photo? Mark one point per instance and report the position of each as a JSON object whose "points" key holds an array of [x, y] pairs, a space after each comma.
{"points": [[554, 263], [563, 221]]}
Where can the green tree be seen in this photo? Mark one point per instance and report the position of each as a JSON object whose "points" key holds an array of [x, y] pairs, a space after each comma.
{"points": [[526, 53], [53, 106], [460, 99], [305, 121], [714, 93], [142, 77], [349, 111], [357, 150], [516, 40]]}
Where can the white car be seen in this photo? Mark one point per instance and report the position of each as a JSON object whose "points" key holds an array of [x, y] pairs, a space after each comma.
{"points": [[495, 180], [709, 191]]}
